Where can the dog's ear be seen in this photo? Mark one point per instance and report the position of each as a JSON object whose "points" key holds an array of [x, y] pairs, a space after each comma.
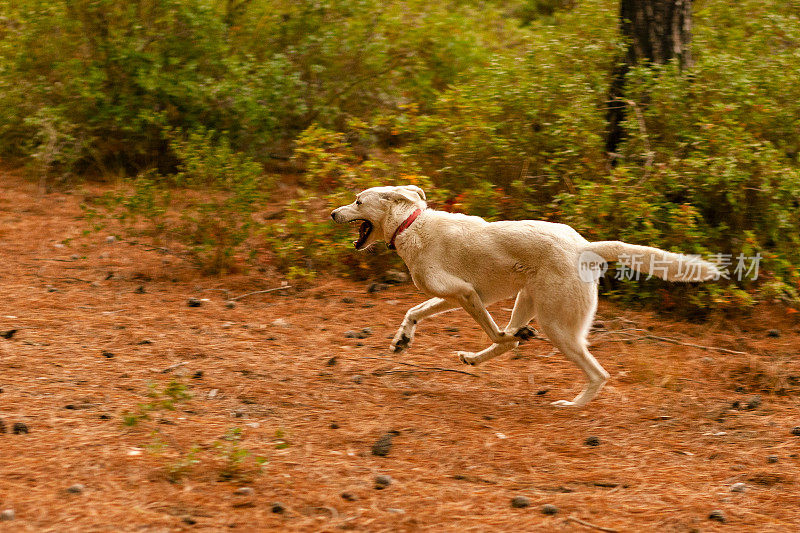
{"points": [[411, 193], [415, 189]]}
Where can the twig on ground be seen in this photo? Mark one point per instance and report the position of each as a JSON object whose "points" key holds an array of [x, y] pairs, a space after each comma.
{"points": [[282, 287], [226, 291], [676, 341], [70, 278], [151, 248], [426, 368], [51, 259], [589, 524], [172, 367]]}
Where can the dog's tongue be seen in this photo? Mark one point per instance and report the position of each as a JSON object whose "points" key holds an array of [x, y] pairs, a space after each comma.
{"points": [[363, 233]]}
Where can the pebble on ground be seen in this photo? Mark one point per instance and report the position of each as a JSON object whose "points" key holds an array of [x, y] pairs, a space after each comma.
{"points": [[549, 509], [382, 481], [520, 502]]}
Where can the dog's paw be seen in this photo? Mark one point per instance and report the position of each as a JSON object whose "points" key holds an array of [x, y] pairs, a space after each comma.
{"points": [[468, 358], [563, 403], [526, 333], [400, 342]]}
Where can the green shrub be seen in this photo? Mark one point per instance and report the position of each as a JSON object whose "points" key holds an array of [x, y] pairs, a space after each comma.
{"points": [[306, 241], [207, 207]]}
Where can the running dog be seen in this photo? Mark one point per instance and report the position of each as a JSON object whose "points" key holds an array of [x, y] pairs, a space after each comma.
{"points": [[465, 261]]}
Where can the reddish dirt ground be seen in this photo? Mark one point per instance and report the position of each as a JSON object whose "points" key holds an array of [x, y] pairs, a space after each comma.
{"points": [[93, 350]]}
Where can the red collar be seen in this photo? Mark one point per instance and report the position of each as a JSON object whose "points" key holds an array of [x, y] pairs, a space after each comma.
{"points": [[402, 227]]}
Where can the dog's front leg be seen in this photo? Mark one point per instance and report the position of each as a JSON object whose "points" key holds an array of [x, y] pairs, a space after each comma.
{"points": [[405, 335], [473, 305]]}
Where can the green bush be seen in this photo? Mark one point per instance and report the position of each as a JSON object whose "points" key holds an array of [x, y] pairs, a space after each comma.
{"points": [[306, 241], [207, 207]]}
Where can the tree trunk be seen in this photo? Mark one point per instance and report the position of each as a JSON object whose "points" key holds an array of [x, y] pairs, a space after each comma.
{"points": [[657, 31]]}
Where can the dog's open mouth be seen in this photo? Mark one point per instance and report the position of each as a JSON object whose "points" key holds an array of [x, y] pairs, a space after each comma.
{"points": [[364, 231]]}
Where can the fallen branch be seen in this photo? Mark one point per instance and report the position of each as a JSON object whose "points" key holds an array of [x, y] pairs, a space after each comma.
{"points": [[676, 341], [173, 367], [282, 287], [426, 368], [151, 248], [226, 291], [589, 524]]}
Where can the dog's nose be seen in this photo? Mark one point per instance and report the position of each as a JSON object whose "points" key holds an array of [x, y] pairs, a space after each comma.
{"points": [[333, 215]]}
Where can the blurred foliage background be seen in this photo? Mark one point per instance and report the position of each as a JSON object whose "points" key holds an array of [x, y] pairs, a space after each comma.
{"points": [[231, 127]]}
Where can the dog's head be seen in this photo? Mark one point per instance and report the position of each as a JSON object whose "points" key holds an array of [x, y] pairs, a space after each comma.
{"points": [[374, 207]]}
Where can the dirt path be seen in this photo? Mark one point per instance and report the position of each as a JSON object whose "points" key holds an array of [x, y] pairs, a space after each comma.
{"points": [[273, 396]]}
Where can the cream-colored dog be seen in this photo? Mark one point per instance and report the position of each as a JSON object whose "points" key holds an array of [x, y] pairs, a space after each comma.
{"points": [[464, 261]]}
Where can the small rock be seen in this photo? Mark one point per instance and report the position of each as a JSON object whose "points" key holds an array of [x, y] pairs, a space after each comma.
{"points": [[383, 445], [140, 290], [277, 507], [244, 491], [50, 288], [753, 402], [738, 487], [796, 431], [349, 497], [198, 375], [708, 360], [452, 329], [194, 302], [8, 334], [736, 404], [107, 354], [281, 323], [189, 520], [357, 379], [19, 428], [542, 392], [772, 459], [520, 502], [77, 488], [354, 334], [376, 287], [348, 301], [549, 509], [111, 239], [366, 332], [331, 361], [230, 304], [382, 481], [395, 276], [7, 515], [105, 417], [592, 441], [395, 510], [774, 333], [717, 515], [212, 394], [334, 425]]}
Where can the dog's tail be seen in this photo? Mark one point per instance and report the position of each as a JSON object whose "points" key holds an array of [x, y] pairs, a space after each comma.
{"points": [[656, 262]]}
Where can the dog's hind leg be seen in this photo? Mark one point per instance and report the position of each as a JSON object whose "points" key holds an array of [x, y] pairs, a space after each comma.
{"points": [[567, 329], [522, 314], [405, 335]]}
